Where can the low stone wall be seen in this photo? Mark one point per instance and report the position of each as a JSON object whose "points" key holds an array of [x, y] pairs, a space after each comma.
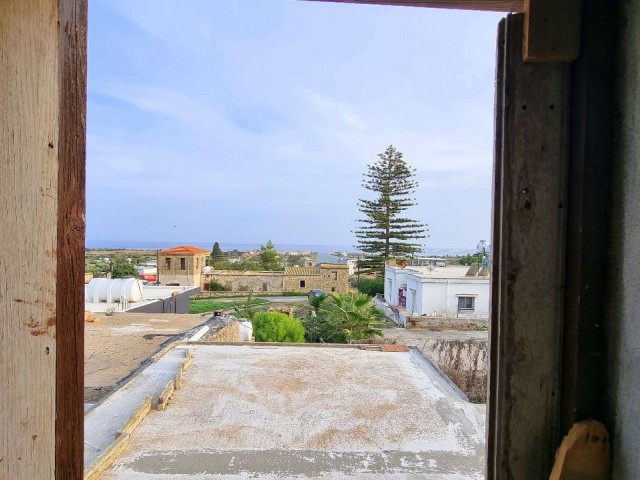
{"points": [[247, 281], [465, 362], [445, 323], [224, 332]]}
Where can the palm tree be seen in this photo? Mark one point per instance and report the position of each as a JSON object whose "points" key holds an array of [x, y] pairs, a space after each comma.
{"points": [[345, 318]]}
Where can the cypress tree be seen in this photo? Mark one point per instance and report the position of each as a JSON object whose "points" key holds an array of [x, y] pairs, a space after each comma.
{"points": [[216, 254], [385, 233]]}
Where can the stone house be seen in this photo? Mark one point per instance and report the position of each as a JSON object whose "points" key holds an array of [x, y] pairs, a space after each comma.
{"points": [[181, 265], [332, 278]]}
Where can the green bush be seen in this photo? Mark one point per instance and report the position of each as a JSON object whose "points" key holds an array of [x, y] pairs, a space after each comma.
{"points": [[371, 286], [277, 327], [216, 286], [316, 301], [347, 318]]}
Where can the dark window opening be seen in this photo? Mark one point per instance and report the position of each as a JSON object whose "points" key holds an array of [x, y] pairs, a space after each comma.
{"points": [[466, 303], [303, 284]]}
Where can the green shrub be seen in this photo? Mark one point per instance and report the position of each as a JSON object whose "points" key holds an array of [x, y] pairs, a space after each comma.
{"points": [[371, 286], [277, 327], [316, 301], [216, 286], [345, 318]]}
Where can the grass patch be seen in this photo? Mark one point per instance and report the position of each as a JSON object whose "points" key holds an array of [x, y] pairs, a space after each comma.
{"points": [[207, 305]]}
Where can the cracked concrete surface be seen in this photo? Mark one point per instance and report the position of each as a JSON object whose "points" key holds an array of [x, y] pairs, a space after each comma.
{"points": [[116, 346]]}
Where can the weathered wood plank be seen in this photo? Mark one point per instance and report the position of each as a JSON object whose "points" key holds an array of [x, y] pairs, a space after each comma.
{"points": [[497, 280], [527, 308], [551, 30], [29, 147], [70, 247], [483, 5]]}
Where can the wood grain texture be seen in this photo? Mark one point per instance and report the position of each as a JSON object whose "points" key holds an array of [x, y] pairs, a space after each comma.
{"points": [[482, 5], [527, 306], [29, 146], [497, 280], [70, 245], [551, 30]]}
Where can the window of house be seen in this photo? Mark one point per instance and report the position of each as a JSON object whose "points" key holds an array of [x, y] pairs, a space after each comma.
{"points": [[333, 289], [167, 263], [335, 275], [303, 284], [466, 303], [183, 264]]}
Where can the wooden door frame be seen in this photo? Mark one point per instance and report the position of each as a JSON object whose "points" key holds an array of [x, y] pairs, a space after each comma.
{"points": [[522, 198]]}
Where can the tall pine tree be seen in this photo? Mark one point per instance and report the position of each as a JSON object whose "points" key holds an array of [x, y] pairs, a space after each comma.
{"points": [[385, 232]]}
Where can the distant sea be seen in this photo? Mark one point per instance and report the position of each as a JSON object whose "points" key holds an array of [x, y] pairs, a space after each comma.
{"points": [[245, 247]]}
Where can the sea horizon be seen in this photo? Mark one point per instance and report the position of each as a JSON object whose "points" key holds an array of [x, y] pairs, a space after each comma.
{"points": [[245, 247]]}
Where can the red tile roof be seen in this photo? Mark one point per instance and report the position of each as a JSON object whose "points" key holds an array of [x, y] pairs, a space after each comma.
{"points": [[184, 250]]}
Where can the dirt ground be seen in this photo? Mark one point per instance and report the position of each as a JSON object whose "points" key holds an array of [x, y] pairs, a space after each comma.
{"points": [[116, 346]]}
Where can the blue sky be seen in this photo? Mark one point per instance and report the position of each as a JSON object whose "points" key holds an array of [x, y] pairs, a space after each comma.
{"points": [[239, 121]]}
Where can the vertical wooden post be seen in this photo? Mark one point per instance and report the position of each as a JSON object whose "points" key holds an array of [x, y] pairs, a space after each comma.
{"points": [[72, 55], [529, 252], [42, 100]]}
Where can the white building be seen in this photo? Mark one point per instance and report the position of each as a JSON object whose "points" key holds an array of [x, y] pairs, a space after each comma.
{"points": [[439, 292]]}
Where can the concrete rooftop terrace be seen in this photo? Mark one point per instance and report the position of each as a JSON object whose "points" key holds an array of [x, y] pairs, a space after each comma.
{"points": [[450, 271], [307, 412]]}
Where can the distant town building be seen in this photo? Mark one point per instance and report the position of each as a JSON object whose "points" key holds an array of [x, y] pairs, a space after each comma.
{"points": [[181, 265]]}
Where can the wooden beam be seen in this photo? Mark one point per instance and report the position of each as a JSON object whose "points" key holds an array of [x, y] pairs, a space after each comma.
{"points": [[482, 5], [528, 262], [551, 30], [589, 227], [42, 85], [70, 242], [29, 102]]}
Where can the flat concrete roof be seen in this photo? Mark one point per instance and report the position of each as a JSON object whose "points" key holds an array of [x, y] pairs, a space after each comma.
{"points": [[307, 412], [118, 344], [451, 271]]}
